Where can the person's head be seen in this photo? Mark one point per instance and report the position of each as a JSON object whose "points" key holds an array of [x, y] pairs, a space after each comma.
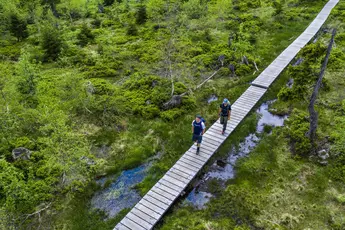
{"points": [[225, 101], [198, 118]]}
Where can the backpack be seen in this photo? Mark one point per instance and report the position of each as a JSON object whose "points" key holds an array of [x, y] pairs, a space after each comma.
{"points": [[203, 120]]}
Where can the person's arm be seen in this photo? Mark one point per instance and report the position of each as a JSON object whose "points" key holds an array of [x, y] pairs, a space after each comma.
{"points": [[203, 128], [193, 127], [219, 110], [229, 112]]}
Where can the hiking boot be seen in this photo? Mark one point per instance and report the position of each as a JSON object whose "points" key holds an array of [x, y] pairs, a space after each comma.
{"points": [[223, 132], [197, 150]]}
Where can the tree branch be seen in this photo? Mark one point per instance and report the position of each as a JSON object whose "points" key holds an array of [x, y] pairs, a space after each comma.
{"points": [[312, 111]]}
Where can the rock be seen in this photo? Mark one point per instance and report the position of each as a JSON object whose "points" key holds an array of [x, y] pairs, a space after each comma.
{"points": [[323, 156], [175, 101], [21, 153], [323, 163], [88, 161], [154, 83], [221, 163], [290, 83]]}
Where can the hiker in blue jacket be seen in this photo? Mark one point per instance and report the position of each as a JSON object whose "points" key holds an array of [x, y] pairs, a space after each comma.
{"points": [[198, 129], [224, 113]]}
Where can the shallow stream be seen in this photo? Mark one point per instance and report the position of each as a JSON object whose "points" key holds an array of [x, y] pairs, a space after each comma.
{"points": [[121, 194], [223, 169]]}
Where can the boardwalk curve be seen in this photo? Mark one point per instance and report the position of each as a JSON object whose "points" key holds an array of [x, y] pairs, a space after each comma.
{"points": [[151, 208]]}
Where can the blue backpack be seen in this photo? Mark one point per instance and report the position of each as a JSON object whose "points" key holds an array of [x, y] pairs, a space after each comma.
{"points": [[203, 120]]}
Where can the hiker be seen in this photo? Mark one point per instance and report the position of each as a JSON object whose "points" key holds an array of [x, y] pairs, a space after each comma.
{"points": [[198, 129], [224, 113]]}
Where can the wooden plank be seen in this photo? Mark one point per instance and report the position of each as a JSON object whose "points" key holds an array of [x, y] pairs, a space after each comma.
{"points": [[251, 95], [147, 211], [181, 173], [121, 227], [244, 106], [149, 206], [244, 103], [174, 181], [170, 185], [156, 202], [166, 189], [164, 193], [178, 176], [131, 224], [185, 168], [216, 132], [247, 99], [217, 137], [238, 107], [144, 216], [237, 115], [195, 158], [203, 148], [191, 168], [159, 197], [213, 138], [211, 142], [236, 112], [257, 89], [201, 156], [139, 221], [191, 163]]}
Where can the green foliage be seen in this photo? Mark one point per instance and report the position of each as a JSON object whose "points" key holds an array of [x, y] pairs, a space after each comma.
{"points": [[285, 94], [278, 7], [108, 2], [298, 126], [132, 30], [115, 103], [85, 35], [10, 52], [141, 16], [27, 81], [18, 27], [51, 43]]}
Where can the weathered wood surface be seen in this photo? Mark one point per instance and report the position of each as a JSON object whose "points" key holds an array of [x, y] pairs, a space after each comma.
{"points": [[162, 195]]}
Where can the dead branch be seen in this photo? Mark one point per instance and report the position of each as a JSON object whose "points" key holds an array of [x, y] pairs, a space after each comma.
{"points": [[201, 84], [312, 111], [38, 213], [256, 67]]}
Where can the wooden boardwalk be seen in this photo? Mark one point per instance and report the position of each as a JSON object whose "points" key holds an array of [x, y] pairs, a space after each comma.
{"points": [[150, 209]]}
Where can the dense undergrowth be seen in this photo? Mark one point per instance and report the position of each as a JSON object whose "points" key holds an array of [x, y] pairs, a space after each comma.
{"points": [[83, 86]]}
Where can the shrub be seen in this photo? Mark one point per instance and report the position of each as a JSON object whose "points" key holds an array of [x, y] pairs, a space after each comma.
{"points": [[85, 35], [171, 114], [141, 16], [285, 94], [51, 43], [132, 30], [18, 27], [297, 128]]}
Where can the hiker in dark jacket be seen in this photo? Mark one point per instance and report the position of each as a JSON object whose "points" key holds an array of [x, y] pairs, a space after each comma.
{"points": [[198, 129], [224, 113]]}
